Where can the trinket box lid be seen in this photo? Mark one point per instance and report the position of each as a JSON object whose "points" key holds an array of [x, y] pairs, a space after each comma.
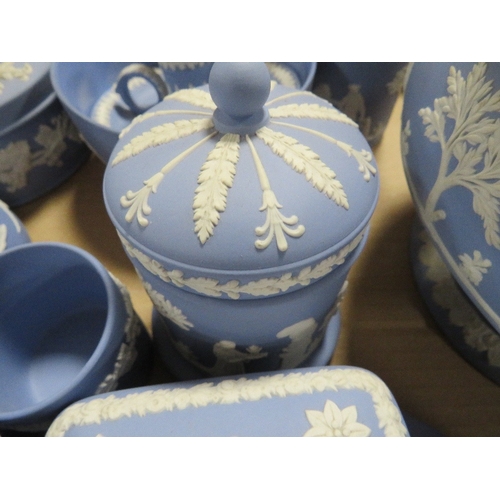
{"points": [[241, 175]]}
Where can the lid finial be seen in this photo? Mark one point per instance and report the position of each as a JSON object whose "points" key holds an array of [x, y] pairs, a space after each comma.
{"points": [[239, 91]]}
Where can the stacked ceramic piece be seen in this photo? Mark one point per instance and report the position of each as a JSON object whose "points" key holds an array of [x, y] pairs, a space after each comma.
{"points": [[451, 153], [39, 145]]}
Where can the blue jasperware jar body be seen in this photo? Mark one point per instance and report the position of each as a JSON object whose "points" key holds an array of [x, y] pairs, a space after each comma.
{"points": [[243, 237]]}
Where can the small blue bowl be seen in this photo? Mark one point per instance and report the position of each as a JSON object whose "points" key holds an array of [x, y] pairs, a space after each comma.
{"points": [[87, 92], [38, 152], [67, 331]]}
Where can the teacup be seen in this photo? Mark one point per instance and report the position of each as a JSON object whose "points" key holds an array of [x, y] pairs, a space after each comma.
{"points": [[67, 331]]}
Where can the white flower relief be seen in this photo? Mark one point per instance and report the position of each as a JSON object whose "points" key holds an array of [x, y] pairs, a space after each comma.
{"points": [[474, 267], [15, 163], [8, 71], [334, 422]]}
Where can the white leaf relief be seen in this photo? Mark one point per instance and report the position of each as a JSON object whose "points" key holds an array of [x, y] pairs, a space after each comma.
{"points": [[473, 139], [161, 134], [362, 157], [167, 309], [307, 110], [233, 289], [474, 267], [446, 293], [305, 161], [215, 178], [283, 75], [196, 97], [334, 422], [114, 407]]}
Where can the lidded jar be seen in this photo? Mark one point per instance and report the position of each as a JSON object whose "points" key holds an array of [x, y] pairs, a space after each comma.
{"points": [[242, 205]]}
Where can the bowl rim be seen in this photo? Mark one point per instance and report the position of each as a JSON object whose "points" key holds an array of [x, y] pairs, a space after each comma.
{"points": [[58, 401]]}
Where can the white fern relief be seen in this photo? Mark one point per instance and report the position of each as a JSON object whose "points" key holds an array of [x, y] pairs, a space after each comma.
{"points": [[473, 139], [218, 171]]}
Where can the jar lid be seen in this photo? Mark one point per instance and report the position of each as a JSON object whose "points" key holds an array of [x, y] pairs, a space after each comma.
{"points": [[241, 175]]}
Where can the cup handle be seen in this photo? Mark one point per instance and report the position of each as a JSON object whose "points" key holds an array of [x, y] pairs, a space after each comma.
{"points": [[142, 71]]}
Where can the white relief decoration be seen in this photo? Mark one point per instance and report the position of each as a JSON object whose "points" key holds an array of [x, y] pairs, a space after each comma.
{"points": [[299, 157], [282, 75], [165, 307], [446, 293], [474, 267], [473, 138], [334, 422], [8, 71], [127, 353], [17, 159], [305, 336], [353, 105], [3, 237], [405, 134], [301, 335], [113, 407], [228, 359], [233, 289], [396, 85], [181, 66]]}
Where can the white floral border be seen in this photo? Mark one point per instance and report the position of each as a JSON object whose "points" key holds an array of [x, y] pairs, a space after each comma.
{"points": [[112, 407], [233, 289]]}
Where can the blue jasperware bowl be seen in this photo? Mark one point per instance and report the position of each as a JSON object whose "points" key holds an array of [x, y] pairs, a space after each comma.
{"points": [[67, 331], [87, 91], [38, 152], [451, 154]]}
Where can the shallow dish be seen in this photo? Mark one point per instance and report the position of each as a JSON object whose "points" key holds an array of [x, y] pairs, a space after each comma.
{"points": [[88, 93], [328, 402], [457, 317], [38, 152], [67, 331]]}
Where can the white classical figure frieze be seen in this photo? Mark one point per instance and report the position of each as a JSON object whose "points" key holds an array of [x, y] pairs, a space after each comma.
{"points": [[143, 403], [220, 167]]}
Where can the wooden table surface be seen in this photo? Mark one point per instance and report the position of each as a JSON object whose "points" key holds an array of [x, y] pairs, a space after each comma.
{"points": [[385, 325]]}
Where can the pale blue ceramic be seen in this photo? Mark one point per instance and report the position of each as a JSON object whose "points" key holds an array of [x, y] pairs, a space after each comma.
{"points": [[243, 205], [22, 86], [450, 140], [67, 331], [38, 152], [365, 91], [331, 401], [88, 93]]}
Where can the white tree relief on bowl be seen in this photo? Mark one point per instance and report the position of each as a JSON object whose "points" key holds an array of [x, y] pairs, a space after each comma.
{"points": [[474, 267], [477, 333], [474, 139], [113, 408], [127, 353], [334, 422], [17, 159], [8, 71], [222, 163], [167, 309], [233, 289]]}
